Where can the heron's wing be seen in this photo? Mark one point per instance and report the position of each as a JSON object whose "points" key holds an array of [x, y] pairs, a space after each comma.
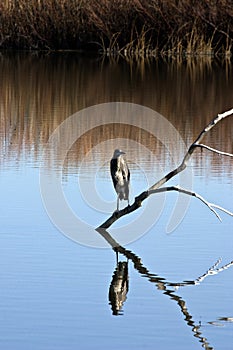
{"points": [[126, 178], [125, 171], [128, 174], [113, 169]]}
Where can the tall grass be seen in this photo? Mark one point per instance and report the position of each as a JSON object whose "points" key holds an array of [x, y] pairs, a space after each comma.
{"points": [[129, 27]]}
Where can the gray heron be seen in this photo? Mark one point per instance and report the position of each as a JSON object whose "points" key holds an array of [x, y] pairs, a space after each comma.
{"points": [[120, 176]]}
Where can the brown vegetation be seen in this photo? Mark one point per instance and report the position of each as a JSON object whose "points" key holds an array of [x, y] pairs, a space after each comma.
{"points": [[39, 91], [168, 27]]}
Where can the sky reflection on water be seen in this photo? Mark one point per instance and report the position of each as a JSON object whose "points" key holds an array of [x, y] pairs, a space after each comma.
{"points": [[54, 292]]}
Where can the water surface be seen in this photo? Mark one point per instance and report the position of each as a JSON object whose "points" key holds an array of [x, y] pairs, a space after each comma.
{"points": [[54, 291]]}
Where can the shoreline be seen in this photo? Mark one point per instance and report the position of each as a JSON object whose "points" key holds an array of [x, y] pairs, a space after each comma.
{"points": [[130, 28]]}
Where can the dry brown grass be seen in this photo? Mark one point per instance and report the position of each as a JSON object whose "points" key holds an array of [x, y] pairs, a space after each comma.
{"points": [[130, 27]]}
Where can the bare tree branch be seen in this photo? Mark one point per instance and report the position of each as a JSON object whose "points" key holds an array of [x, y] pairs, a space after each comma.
{"points": [[211, 206], [191, 149], [214, 150], [197, 143]]}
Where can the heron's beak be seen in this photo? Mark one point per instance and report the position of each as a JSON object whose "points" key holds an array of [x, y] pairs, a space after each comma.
{"points": [[121, 152]]}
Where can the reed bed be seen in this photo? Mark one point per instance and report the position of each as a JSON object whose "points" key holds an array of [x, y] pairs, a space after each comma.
{"points": [[126, 27]]}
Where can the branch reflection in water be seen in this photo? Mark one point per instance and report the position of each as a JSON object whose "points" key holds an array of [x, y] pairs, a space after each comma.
{"points": [[120, 284]]}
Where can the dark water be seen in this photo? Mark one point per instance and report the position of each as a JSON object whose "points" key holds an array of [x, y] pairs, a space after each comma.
{"points": [[171, 287]]}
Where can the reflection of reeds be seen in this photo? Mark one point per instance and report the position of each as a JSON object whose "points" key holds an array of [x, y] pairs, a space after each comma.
{"points": [[134, 27], [39, 92]]}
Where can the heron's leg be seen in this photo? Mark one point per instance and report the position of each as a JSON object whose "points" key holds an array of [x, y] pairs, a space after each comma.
{"points": [[118, 202], [117, 257]]}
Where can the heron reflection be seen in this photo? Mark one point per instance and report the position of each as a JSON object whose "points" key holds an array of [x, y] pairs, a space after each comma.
{"points": [[119, 287]]}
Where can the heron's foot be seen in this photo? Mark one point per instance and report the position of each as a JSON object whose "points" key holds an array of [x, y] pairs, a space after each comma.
{"points": [[115, 213]]}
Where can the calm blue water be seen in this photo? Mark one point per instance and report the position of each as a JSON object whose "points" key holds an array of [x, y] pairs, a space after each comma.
{"points": [[54, 292]]}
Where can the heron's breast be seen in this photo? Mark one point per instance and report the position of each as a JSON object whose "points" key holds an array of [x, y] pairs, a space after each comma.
{"points": [[119, 178]]}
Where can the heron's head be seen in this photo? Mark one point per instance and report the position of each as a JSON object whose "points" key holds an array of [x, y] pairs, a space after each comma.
{"points": [[117, 153]]}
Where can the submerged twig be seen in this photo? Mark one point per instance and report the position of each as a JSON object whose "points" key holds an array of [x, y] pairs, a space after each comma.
{"points": [[197, 143]]}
